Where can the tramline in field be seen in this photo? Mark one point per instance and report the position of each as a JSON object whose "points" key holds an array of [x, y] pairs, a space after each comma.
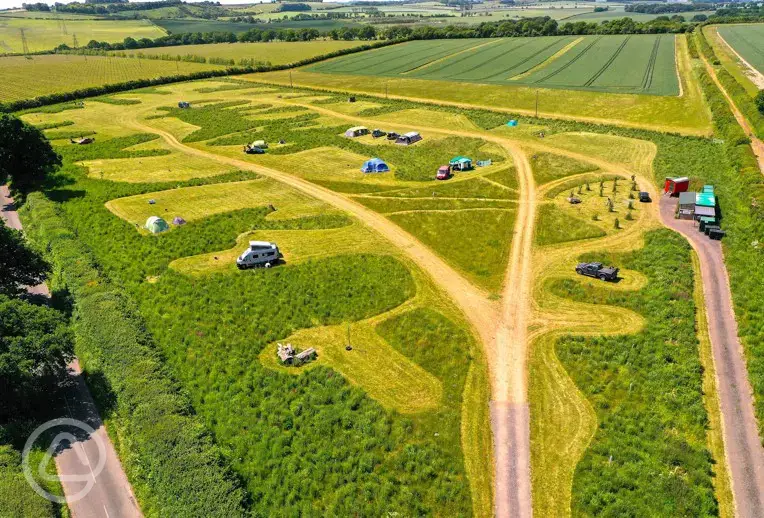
{"points": [[641, 63], [748, 41]]}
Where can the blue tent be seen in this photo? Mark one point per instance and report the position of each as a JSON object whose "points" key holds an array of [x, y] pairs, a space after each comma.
{"points": [[512, 123], [374, 165]]}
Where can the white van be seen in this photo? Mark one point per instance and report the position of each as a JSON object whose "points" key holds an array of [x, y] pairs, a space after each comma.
{"points": [[259, 253]]}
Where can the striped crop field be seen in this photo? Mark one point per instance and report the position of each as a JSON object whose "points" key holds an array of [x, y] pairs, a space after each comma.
{"points": [[22, 78], [748, 41], [639, 64]]}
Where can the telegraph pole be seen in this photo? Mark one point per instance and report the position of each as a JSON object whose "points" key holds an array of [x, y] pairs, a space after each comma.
{"points": [[291, 85], [386, 83], [537, 103]]}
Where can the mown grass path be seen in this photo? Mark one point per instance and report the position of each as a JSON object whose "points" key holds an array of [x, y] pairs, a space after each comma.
{"points": [[506, 327]]}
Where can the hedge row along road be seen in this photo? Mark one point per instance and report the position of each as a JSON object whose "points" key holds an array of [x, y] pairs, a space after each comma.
{"points": [[111, 494]]}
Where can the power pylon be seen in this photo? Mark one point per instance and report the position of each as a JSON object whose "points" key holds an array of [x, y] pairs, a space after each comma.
{"points": [[24, 44]]}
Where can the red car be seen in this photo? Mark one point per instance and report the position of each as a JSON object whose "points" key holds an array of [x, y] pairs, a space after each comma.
{"points": [[444, 173]]}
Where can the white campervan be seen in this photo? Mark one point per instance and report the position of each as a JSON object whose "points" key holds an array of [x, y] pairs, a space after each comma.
{"points": [[259, 253]]}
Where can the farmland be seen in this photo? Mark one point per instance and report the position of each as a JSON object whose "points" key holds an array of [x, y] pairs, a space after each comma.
{"points": [[686, 113], [748, 41], [48, 34], [446, 315], [275, 53], [22, 78], [616, 64]]}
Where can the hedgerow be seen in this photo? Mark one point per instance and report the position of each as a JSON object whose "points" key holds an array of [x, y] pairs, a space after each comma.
{"points": [[648, 456], [178, 78], [169, 457]]}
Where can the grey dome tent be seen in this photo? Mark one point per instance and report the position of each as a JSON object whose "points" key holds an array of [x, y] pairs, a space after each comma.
{"points": [[375, 165], [155, 225], [177, 220]]}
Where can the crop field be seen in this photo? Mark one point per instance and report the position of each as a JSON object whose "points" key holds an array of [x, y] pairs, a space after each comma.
{"points": [[22, 78], [618, 64], [48, 34], [187, 25], [747, 40], [273, 52]]}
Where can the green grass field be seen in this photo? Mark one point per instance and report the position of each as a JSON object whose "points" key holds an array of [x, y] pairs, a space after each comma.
{"points": [[48, 34], [275, 52], [22, 78], [616, 64], [747, 40]]}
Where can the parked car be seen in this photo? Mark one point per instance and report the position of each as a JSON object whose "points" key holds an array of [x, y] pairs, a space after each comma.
{"points": [[444, 173], [259, 254], [597, 270], [392, 136], [378, 133], [644, 197]]}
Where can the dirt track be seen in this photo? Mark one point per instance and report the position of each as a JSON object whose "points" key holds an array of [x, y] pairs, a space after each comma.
{"points": [[111, 494], [742, 447], [756, 144], [501, 327]]}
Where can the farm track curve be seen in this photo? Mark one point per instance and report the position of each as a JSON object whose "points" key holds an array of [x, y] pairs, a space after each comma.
{"points": [[742, 445]]}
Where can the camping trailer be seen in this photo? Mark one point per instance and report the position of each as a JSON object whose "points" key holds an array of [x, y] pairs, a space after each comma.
{"points": [[259, 253], [674, 186], [254, 148], [82, 141], [357, 131], [375, 165], [409, 138]]}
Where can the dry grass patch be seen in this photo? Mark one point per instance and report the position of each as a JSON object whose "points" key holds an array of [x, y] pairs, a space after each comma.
{"points": [[296, 246], [194, 203], [387, 375], [434, 119], [172, 167]]}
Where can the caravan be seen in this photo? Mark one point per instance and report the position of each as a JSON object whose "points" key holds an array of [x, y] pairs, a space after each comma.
{"points": [[259, 253]]}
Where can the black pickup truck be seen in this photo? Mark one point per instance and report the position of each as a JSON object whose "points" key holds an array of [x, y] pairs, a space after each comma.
{"points": [[609, 273]]}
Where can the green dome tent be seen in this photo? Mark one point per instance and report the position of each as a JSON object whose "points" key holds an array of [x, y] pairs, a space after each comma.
{"points": [[155, 225]]}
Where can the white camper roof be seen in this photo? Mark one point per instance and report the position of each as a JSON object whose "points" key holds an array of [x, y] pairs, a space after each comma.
{"points": [[411, 134], [266, 244]]}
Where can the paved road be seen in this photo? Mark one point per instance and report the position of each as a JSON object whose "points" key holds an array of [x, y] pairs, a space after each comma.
{"points": [[111, 495], [742, 447]]}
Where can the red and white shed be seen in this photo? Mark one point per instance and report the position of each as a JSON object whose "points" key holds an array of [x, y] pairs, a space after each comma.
{"points": [[674, 186]]}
